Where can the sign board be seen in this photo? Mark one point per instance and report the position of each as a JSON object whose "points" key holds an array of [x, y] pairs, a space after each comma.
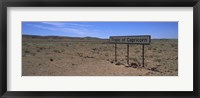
{"points": [[144, 39]]}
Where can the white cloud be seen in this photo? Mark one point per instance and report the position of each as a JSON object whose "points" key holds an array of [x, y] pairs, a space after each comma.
{"points": [[65, 27], [61, 24], [54, 23]]}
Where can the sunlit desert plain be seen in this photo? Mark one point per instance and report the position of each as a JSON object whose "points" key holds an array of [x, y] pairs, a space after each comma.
{"points": [[88, 56]]}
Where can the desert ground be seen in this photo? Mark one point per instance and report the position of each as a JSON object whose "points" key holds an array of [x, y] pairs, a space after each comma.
{"points": [[73, 56]]}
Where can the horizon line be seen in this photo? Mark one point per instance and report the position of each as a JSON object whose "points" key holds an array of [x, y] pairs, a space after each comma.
{"points": [[86, 36]]}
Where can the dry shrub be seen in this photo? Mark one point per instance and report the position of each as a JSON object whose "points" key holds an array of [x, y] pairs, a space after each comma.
{"points": [[157, 60], [57, 51], [27, 51]]}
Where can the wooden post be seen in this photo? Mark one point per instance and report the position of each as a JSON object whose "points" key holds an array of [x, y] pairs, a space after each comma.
{"points": [[115, 52], [128, 54], [142, 55]]}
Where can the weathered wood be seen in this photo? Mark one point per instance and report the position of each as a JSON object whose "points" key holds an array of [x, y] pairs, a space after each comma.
{"points": [[128, 54], [142, 55], [115, 52]]}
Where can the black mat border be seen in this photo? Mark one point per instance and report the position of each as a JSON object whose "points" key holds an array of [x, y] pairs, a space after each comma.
{"points": [[98, 3]]}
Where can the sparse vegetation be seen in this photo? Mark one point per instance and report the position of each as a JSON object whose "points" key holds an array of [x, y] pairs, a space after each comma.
{"points": [[77, 57]]}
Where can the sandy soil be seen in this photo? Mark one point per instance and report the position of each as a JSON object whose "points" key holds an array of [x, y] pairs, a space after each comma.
{"points": [[54, 56]]}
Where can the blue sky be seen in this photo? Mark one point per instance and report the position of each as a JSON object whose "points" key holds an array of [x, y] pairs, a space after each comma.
{"points": [[101, 29]]}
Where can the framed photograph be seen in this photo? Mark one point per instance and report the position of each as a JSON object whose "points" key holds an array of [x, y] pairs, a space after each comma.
{"points": [[93, 48]]}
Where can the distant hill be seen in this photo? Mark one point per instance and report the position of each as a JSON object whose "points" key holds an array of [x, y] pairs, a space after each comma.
{"points": [[59, 37]]}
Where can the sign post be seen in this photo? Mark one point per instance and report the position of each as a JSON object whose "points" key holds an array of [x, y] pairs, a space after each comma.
{"points": [[142, 55], [142, 40], [115, 52], [128, 54]]}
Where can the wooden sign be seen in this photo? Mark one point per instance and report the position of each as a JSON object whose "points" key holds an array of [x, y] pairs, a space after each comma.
{"points": [[144, 39]]}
